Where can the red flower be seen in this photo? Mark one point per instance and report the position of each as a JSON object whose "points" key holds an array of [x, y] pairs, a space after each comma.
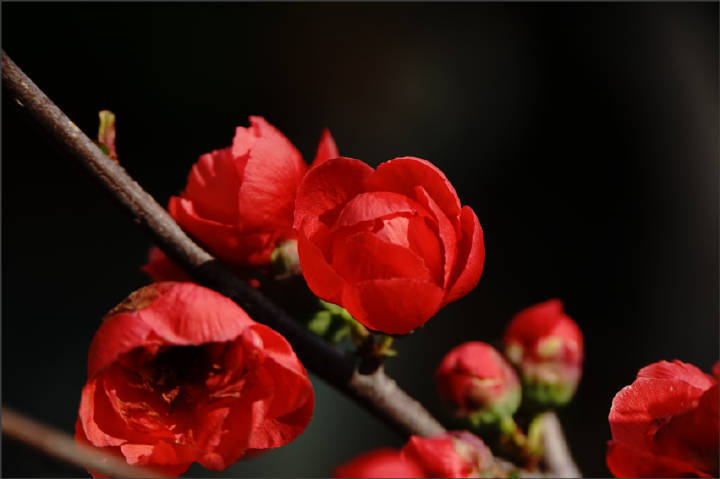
{"points": [[454, 454], [178, 373], [161, 268], [384, 462], [479, 382], [547, 346], [665, 424], [238, 201], [391, 245]]}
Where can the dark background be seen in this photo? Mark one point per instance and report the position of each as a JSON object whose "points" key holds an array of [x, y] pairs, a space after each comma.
{"points": [[584, 136]]}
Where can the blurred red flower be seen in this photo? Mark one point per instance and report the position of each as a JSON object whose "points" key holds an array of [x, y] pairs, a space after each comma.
{"points": [[391, 245], [453, 454], [479, 382], [665, 424], [547, 347], [383, 462], [238, 201], [178, 373]]}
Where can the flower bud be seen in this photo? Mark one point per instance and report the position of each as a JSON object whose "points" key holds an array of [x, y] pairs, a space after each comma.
{"points": [[479, 383], [547, 347], [284, 259]]}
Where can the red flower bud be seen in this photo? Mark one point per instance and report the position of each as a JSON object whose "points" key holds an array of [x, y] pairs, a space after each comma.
{"points": [[391, 245], [238, 201], [479, 382], [454, 454], [665, 424], [178, 373], [547, 346]]}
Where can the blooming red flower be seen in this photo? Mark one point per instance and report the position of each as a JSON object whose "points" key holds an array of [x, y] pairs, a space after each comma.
{"points": [[391, 245], [665, 424], [479, 382], [178, 373], [454, 454], [547, 346], [238, 201]]}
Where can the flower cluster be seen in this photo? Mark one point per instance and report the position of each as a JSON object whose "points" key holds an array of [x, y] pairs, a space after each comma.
{"points": [[665, 424], [454, 454], [180, 374]]}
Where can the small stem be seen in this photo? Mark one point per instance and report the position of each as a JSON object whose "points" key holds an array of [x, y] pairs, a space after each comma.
{"points": [[558, 459]]}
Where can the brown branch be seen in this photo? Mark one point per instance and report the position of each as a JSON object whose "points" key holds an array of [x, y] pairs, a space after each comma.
{"points": [[558, 460], [62, 446], [377, 392]]}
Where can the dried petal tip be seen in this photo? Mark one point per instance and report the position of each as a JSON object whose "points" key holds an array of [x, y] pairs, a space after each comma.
{"points": [[546, 345], [106, 133], [479, 383]]}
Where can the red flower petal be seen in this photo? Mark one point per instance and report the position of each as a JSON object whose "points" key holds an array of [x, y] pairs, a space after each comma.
{"points": [[377, 205], [181, 314], [402, 175], [267, 192], [470, 258], [364, 256], [391, 305], [227, 242], [384, 462], [625, 461], [321, 278], [327, 150], [445, 231], [677, 371], [212, 187], [325, 190], [635, 408], [161, 268], [437, 456]]}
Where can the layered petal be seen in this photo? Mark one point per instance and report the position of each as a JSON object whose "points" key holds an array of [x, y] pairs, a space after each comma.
{"points": [[625, 461], [325, 189], [470, 257], [225, 241], [392, 305], [402, 175], [212, 187], [327, 150]]}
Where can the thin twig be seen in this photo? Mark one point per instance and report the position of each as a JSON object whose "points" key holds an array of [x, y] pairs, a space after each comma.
{"points": [[558, 458], [62, 446], [377, 392]]}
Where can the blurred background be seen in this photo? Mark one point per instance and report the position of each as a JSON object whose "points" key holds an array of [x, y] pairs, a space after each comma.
{"points": [[584, 136]]}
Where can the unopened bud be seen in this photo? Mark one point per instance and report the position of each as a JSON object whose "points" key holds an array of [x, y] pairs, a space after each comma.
{"points": [[546, 346], [479, 382], [285, 259]]}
